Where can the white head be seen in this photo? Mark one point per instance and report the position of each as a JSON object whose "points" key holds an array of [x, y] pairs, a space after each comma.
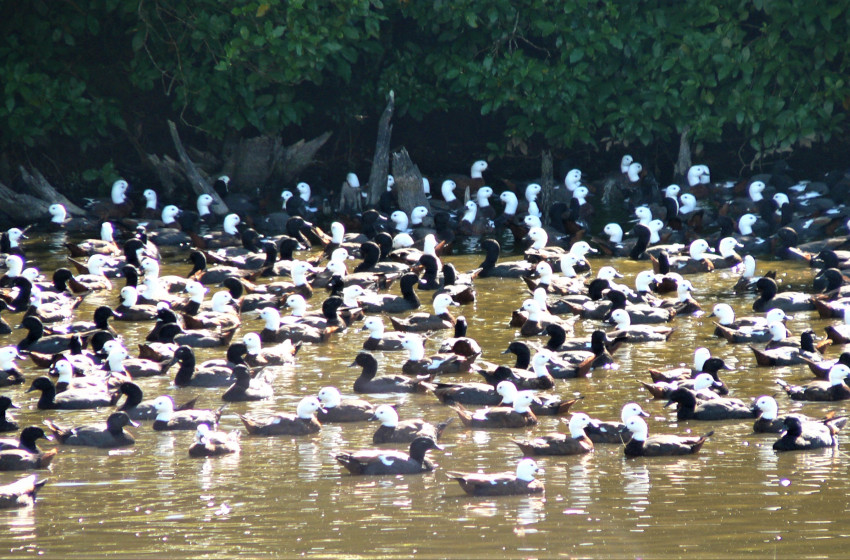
{"points": [[375, 326], [203, 204], [471, 210], [749, 267], [106, 232], [724, 313], [838, 374], [581, 248], [544, 270], [568, 263], [252, 342], [169, 214], [8, 354], [129, 296], [285, 195], [417, 215], [701, 354], [402, 241], [522, 401], [704, 381], [442, 302], [625, 162], [58, 213], [644, 280], [298, 305], [164, 408], [414, 346], [337, 232], [698, 249], [532, 221], [196, 291], [329, 397], [477, 169], [608, 273], [15, 264], [532, 191], [768, 407], [777, 331], [150, 198], [229, 224], [307, 407], [119, 191], [578, 422], [510, 201], [539, 237], [220, 302], [755, 191], [643, 214], [526, 469], [350, 295], [672, 191], [532, 308], [634, 172], [271, 316], [539, 362], [727, 246], [304, 191], [781, 199], [621, 318], [631, 409], [689, 203], [746, 223], [352, 180], [573, 179], [96, 263], [387, 416], [507, 390], [580, 194], [637, 427], [683, 289], [448, 190], [483, 196], [400, 220], [614, 231]]}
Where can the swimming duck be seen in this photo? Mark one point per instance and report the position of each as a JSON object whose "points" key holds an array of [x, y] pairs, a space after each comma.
{"points": [[786, 352], [222, 316], [378, 339], [370, 382], [274, 332], [71, 399], [556, 285], [393, 430], [370, 252], [438, 364], [642, 445], [110, 435], [689, 408], [9, 372], [490, 268], [518, 416], [24, 459], [20, 493], [139, 409], [840, 334], [537, 319], [577, 443], [105, 245], [769, 420], [335, 409], [188, 375], [704, 385], [383, 461], [278, 355], [748, 279], [35, 341], [246, 388], [26, 441], [96, 278], [229, 236], [696, 262], [614, 432], [637, 333], [170, 331], [131, 310], [787, 301], [835, 389], [168, 419], [502, 484], [419, 322], [745, 329], [67, 380], [800, 435], [249, 296], [7, 424], [210, 443], [543, 404], [301, 423]]}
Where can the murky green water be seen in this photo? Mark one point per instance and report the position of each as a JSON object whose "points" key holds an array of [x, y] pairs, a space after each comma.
{"points": [[288, 497]]}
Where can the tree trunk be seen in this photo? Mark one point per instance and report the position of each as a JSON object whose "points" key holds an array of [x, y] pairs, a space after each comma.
{"points": [[381, 161], [683, 162], [296, 157], [196, 181], [39, 187], [408, 183], [21, 209], [547, 181]]}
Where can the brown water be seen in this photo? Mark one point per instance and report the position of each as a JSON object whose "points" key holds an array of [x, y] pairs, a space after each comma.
{"points": [[286, 497]]}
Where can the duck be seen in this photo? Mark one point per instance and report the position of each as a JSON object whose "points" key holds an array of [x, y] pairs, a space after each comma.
{"points": [[171, 332], [788, 302], [26, 441], [438, 364], [840, 334], [684, 304], [335, 409], [383, 461], [614, 432], [20, 493], [491, 269], [800, 435], [328, 319], [71, 399], [835, 389], [420, 322], [110, 435], [279, 355], [9, 372], [598, 343], [274, 332], [245, 388], [517, 416], [303, 422], [576, 443], [137, 408], [36, 341], [539, 378], [543, 404], [696, 262], [370, 252], [169, 419], [96, 278], [101, 316], [229, 236], [249, 295], [537, 319], [556, 285], [7, 424], [689, 408], [370, 382], [393, 430], [24, 459], [188, 375], [67, 380], [222, 316], [213, 443], [704, 385], [520, 482], [787, 352], [300, 284], [745, 329], [566, 365], [105, 245], [769, 420], [378, 339], [642, 445], [468, 393], [637, 333], [539, 249], [130, 309]]}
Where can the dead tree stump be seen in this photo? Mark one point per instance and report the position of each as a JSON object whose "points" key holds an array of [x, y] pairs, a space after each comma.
{"points": [[408, 183]]}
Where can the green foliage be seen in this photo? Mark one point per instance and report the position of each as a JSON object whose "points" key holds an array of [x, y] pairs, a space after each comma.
{"points": [[562, 73]]}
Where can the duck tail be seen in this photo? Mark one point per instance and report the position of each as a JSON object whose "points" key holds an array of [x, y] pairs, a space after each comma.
{"points": [[464, 415]]}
